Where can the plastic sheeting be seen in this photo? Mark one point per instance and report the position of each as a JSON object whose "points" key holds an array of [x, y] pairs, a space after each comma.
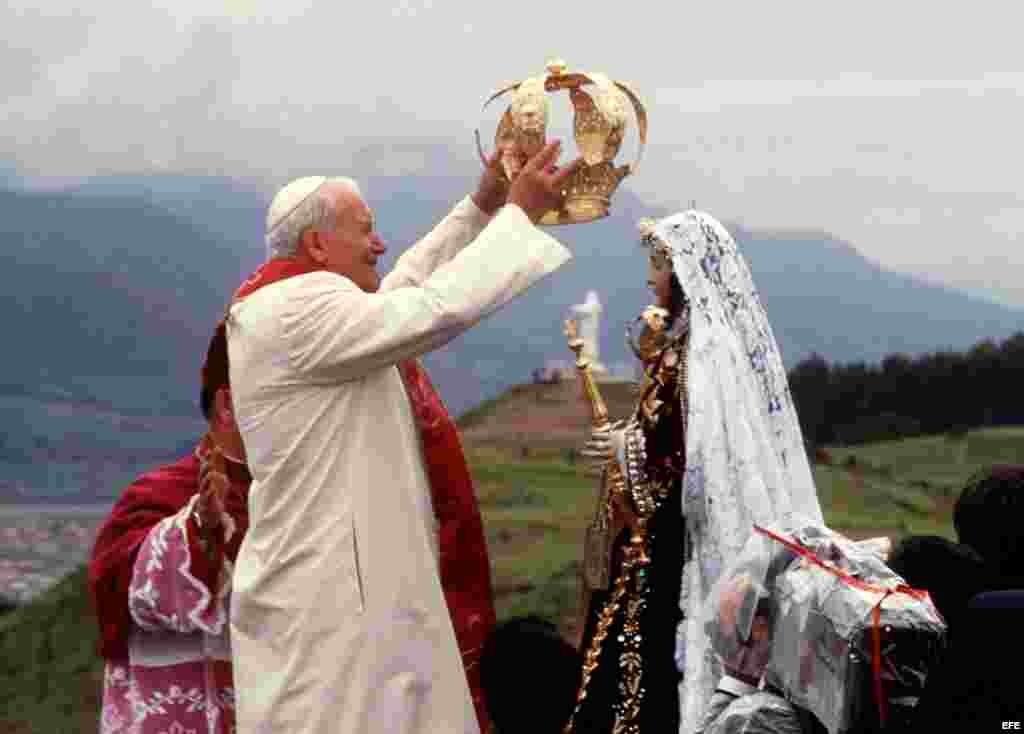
{"points": [[759, 713], [826, 624]]}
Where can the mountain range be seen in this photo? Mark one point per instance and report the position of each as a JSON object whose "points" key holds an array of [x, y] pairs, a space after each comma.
{"points": [[109, 291]]}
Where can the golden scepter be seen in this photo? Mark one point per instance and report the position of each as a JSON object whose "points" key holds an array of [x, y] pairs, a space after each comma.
{"points": [[599, 533], [598, 540], [598, 409]]}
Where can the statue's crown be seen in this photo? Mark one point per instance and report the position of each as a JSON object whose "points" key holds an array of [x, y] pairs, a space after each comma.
{"points": [[600, 124]]}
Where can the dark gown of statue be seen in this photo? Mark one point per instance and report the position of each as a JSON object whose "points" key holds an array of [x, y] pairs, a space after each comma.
{"points": [[635, 687]]}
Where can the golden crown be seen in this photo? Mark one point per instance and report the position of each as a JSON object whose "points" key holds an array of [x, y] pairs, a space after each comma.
{"points": [[599, 126]]}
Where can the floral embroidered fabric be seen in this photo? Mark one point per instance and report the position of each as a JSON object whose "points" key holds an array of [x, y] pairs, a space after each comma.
{"points": [[177, 676]]}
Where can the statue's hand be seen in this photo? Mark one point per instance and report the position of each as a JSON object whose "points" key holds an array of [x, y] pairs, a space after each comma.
{"points": [[570, 329], [597, 451], [541, 184]]}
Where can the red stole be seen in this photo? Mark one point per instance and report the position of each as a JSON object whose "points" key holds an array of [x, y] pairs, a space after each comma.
{"points": [[464, 567]]}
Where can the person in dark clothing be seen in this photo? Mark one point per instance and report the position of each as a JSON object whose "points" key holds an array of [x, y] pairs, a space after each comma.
{"points": [[978, 687], [951, 573], [529, 675], [989, 517]]}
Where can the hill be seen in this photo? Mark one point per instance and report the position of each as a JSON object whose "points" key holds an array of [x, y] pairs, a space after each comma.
{"points": [[541, 416], [110, 297], [108, 293], [186, 240], [535, 509], [822, 296], [106, 305], [50, 675]]}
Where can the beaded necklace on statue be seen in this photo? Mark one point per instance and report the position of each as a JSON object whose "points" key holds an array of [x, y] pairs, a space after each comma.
{"points": [[664, 391]]}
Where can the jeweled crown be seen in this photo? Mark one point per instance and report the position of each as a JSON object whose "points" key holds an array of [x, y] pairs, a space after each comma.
{"points": [[600, 124]]}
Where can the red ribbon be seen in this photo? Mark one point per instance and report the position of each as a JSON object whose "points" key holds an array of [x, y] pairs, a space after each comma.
{"points": [[876, 632]]}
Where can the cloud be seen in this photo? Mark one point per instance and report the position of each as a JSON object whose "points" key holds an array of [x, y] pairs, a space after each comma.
{"points": [[754, 111], [1008, 222], [894, 218]]}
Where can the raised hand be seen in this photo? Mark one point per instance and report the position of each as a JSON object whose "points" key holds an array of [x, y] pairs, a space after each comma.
{"points": [[209, 508], [597, 451], [539, 187], [492, 192]]}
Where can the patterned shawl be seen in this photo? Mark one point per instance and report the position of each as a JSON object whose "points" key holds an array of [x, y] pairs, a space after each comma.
{"points": [[154, 496]]}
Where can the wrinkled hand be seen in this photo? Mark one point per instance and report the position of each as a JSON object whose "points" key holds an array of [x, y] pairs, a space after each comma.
{"points": [[210, 506], [492, 192], [539, 186]]}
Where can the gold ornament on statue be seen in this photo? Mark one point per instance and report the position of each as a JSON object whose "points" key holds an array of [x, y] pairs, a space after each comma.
{"points": [[653, 338], [598, 409], [599, 126]]}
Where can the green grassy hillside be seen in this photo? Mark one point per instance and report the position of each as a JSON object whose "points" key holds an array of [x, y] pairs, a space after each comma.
{"points": [[540, 416], [535, 508], [50, 674]]}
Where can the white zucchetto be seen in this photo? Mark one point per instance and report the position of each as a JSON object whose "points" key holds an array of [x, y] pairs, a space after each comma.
{"points": [[290, 197]]}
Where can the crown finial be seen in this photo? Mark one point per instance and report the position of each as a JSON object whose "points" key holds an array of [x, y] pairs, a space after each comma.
{"points": [[557, 67]]}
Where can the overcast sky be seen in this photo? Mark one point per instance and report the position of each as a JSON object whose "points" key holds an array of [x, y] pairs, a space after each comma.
{"points": [[887, 124]]}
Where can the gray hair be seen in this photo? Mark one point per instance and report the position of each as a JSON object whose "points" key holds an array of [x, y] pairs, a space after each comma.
{"points": [[317, 210]]}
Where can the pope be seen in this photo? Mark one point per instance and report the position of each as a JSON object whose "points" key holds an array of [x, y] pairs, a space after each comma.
{"points": [[338, 616]]}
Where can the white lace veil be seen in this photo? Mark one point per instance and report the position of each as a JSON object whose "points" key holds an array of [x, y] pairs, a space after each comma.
{"points": [[745, 456]]}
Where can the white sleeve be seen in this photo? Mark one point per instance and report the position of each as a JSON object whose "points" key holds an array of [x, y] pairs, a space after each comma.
{"points": [[445, 241], [335, 332]]}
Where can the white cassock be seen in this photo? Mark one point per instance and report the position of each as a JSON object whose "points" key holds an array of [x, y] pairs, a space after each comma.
{"points": [[338, 620]]}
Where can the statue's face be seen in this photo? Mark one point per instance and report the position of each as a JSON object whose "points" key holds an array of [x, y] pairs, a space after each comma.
{"points": [[656, 318], [659, 279]]}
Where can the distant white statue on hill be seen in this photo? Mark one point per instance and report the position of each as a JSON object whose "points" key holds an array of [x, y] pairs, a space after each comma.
{"points": [[588, 326], [588, 323]]}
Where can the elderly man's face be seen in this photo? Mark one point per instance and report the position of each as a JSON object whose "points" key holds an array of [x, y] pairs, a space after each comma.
{"points": [[353, 247]]}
